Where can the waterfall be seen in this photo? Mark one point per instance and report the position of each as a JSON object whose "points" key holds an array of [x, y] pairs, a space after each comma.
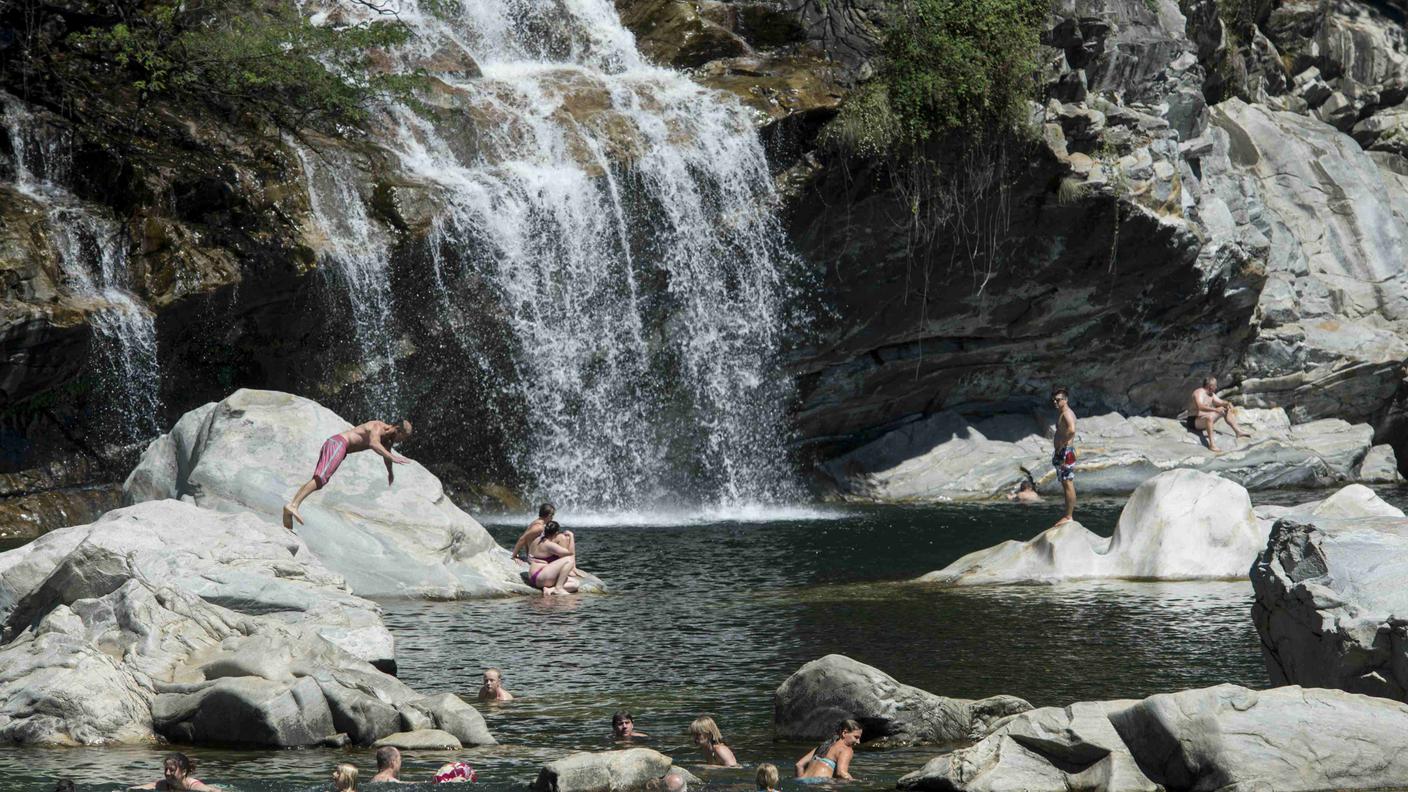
{"points": [[623, 217], [91, 250], [359, 255]]}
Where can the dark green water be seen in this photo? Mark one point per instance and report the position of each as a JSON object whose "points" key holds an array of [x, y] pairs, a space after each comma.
{"points": [[709, 618]]}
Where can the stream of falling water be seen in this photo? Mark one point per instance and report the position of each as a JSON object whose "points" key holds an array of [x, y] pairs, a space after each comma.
{"points": [[622, 216], [92, 253]]}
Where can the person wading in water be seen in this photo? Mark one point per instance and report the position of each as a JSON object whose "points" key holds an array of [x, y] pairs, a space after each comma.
{"points": [[377, 436]]}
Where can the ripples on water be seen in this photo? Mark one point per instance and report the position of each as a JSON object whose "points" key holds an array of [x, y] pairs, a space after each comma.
{"points": [[711, 617]]}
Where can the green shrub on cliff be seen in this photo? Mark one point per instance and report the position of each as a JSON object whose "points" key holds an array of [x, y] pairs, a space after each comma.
{"points": [[251, 58], [949, 65]]}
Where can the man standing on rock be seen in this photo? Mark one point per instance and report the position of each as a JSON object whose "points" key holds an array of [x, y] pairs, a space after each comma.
{"points": [[1063, 456], [1204, 408], [378, 436]]}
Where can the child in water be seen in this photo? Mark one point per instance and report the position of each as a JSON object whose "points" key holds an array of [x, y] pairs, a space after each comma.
{"points": [[707, 736], [767, 778]]}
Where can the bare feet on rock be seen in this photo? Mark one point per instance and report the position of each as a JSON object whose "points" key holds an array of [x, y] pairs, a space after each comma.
{"points": [[291, 514]]}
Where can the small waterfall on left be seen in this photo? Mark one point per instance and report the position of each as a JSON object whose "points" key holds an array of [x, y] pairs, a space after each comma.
{"points": [[91, 249]]}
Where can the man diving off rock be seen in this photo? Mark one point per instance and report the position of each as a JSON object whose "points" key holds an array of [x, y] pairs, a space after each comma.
{"points": [[378, 436]]}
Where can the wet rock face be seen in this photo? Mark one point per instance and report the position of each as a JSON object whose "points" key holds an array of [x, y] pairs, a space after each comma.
{"points": [[1224, 737], [1330, 601], [631, 770]]}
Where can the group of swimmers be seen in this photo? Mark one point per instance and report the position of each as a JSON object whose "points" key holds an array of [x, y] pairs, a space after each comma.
{"points": [[830, 759]]}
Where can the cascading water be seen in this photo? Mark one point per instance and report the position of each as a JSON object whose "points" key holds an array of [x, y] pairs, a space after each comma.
{"points": [[622, 215], [360, 257], [92, 254]]}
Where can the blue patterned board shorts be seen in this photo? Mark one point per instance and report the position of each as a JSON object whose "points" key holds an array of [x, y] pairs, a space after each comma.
{"points": [[1064, 461]]}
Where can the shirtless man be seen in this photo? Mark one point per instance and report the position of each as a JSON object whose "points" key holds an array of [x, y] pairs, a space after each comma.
{"points": [[623, 727], [388, 766], [493, 687], [378, 436], [535, 529], [1204, 408], [1063, 456]]}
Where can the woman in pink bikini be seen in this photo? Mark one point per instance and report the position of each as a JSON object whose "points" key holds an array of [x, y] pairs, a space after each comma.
{"points": [[551, 560]]}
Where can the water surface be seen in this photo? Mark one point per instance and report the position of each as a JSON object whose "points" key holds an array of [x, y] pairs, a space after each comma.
{"points": [[710, 617]]}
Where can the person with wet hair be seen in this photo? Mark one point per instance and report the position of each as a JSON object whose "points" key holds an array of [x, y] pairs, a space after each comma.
{"points": [[551, 562], [767, 778], [535, 529], [344, 778], [710, 740], [832, 759], [176, 769], [493, 687], [388, 766], [623, 726]]}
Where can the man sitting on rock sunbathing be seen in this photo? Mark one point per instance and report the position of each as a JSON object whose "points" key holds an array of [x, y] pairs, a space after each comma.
{"points": [[378, 436], [1204, 409]]}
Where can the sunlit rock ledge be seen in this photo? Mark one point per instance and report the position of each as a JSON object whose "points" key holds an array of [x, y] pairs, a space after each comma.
{"points": [[164, 620], [1225, 737], [253, 450], [1179, 525], [944, 457]]}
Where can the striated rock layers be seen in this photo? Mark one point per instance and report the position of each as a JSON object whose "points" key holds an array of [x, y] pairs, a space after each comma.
{"points": [[1226, 737], [1168, 224], [944, 457], [168, 620], [251, 452], [1179, 525], [809, 704], [1331, 607]]}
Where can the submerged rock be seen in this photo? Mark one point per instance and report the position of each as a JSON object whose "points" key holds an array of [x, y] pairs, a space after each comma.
{"points": [[605, 771], [944, 457], [1225, 737], [251, 452], [809, 704], [167, 620], [1331, 605], [1179, 525]]}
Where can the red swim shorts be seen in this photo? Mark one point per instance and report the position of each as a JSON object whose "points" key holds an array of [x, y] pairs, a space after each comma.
{"points": [[334, 451]]}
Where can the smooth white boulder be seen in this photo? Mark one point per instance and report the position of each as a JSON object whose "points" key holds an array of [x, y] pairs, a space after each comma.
{"points": [[166, 620], [1178, 525], [252, 451], [1332, 602], [1287, 739], [944, 457]]}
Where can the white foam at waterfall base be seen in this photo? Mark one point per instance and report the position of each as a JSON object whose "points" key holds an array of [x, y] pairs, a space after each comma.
{"points": [[648, 370], [683, 515]]}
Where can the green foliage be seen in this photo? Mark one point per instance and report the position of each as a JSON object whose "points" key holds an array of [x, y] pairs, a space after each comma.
{"points": [[949, 65], [262, 58]]}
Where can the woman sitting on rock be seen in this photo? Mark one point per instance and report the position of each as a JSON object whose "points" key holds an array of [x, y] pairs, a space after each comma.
{"points": [[176, 770], [832, 759], [707, 736], [550, 562]]}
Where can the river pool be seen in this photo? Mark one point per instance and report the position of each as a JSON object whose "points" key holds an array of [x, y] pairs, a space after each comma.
{"points": [[708, 617]]}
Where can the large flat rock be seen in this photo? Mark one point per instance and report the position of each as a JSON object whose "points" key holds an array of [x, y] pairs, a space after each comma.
{"points": [[165, 620], [944, 457], [1227, 737], [629, 770], [1331, 601], [820, 694], [252, 451], [1178, 525]]}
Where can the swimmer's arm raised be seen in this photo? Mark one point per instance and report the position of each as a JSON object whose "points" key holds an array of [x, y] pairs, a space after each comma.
{"points": [[802, 763]]}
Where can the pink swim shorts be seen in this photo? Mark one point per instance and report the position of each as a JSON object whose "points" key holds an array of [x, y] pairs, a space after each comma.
{"points": [[334, 451]]}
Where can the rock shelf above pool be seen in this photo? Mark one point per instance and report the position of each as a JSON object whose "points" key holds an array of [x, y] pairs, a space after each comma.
{"points": [[1288, 739], [1332, 601], [167, 620], [1178, 525], [809, 704], [944, 457], [252, 451]]}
